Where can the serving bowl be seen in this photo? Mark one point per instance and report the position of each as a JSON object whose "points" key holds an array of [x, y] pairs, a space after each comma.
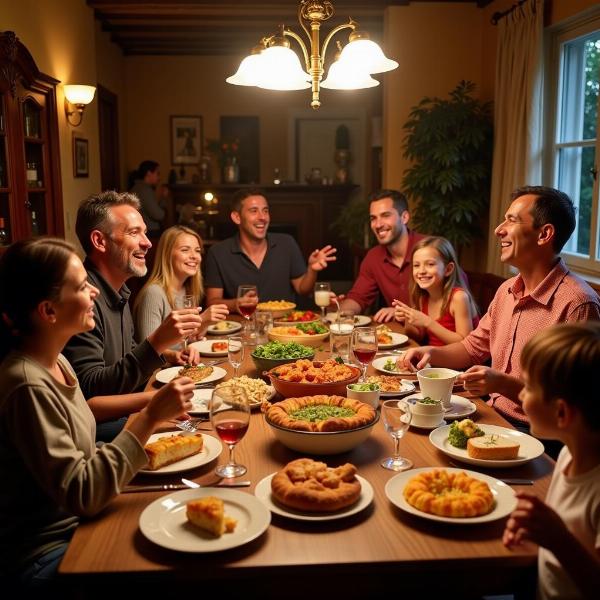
{"points": [[266, 364], [272, 308], [367, 396], [297, 389], [307, 340], [320, 442]]}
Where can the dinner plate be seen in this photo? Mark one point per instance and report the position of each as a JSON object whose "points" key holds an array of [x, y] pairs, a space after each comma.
{"points": [[205, 347], [380, 361], [263, 493], [210, 450], [504, 497], [359, 320], [459, 407], [397, 340], [529, 448], [165, 375], [164, 521], [406, 387], [232, 327]]}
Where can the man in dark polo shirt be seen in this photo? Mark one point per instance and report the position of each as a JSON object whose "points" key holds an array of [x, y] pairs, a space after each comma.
{"points": [[271, 261], [386, 269], [107, 360]]}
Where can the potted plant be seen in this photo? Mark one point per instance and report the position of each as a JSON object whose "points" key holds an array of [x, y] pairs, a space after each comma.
{"points": [[450, 144]]}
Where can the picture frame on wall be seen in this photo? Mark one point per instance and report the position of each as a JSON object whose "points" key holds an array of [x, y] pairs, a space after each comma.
{"points": [[187, 140], [81, 158]]}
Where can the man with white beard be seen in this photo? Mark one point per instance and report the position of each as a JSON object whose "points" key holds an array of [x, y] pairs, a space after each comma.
{"points": [[107, 359]]}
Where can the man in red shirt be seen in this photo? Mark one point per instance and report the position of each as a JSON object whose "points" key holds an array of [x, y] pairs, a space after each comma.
{"points": [[536, 226], [386, 268]]}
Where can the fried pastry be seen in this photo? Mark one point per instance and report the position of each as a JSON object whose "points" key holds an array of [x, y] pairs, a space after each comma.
{"points": [[167, 450], [196, 373], [209, 514]]}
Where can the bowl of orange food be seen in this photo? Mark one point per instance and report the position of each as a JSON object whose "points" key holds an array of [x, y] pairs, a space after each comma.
{"points": [[309, 334], [278, 308], [311, 377]]}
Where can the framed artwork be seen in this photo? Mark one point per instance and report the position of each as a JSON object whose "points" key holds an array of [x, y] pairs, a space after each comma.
{"points": [[186, 140], [247, 131], [81, 158]]}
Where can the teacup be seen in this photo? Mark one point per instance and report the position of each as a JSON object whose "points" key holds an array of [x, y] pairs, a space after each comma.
{"points": [[437, 383], [367, 396], [427, 412]]}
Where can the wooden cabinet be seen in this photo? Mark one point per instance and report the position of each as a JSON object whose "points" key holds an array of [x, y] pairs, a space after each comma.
{"points": [[30, 190], [303, 211]]}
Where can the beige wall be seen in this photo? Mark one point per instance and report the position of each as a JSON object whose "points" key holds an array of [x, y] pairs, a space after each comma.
{"points": [[59, 34]]}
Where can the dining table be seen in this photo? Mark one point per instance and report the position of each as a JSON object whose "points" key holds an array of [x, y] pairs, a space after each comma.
{"points": [[378, 551]]}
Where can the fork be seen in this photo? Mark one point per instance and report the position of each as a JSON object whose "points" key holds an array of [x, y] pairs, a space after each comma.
{"points": [[191, 425]]}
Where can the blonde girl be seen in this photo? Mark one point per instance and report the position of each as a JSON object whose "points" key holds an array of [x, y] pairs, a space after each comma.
{"points": [[176, 273], [443, 310]]}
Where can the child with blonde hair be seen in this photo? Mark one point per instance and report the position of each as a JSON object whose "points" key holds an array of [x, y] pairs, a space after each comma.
{"points": [[443, 310], [560, 366]]}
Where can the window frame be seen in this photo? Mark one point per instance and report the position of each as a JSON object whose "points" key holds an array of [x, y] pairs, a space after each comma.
{"points": [[556, 36]]}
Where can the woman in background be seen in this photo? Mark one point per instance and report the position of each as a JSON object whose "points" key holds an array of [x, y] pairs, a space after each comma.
{"points": [[176, 273], [52, 473]]}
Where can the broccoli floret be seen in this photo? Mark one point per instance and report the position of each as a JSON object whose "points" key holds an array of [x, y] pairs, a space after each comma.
{"points": [[456, 437]]}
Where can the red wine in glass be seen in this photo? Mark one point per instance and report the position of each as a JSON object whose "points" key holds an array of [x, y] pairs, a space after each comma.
{"points": [[246, 310], [365, 355], [232, 431]]}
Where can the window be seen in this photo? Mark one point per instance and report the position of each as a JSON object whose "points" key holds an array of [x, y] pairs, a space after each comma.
{"points": [[575, 150]]}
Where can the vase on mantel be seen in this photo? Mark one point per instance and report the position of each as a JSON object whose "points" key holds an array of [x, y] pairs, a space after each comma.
{"points": [[231, 171]]}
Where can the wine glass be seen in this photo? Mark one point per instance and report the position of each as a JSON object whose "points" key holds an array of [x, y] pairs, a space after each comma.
{"points": [[235, 352], [364, 346], [322, 298], [185, 301], [396, 419], [230, 416], [247, 299]]}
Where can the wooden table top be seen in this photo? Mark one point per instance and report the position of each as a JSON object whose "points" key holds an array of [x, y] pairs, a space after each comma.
{"points": [[379, 543]]}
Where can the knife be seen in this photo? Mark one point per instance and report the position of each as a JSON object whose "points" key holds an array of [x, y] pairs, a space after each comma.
{"points": [[167, 487]]}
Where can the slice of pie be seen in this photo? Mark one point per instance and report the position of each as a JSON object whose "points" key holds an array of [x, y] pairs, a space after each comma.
{"points": [[197, 373], [209, 515]]}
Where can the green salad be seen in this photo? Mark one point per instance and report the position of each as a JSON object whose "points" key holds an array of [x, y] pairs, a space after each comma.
{"points": [[320, 412], [311, 328], [390, 365], [364, 387], [283, 350]]}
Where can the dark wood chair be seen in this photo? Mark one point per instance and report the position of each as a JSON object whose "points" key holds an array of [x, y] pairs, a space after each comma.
{"points": [[483, 287]]}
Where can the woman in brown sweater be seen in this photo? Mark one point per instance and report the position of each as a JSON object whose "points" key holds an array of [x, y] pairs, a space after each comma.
{"points": [[51, 471]]}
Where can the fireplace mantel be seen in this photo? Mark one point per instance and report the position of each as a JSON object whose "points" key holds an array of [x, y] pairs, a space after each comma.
{"points": [[305, 211]]}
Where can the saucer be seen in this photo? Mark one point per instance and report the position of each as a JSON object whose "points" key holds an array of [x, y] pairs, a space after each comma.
{"points": [[428, 427], [459, 406]]}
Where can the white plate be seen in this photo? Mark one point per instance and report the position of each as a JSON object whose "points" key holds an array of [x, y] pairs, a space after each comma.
{"points": [[263, 493], [205, 347], [529, 449], [165, 375], [407, 387], [504, 496], [427, 427], [164, 521], [212, 449], [359, 320], [397, 340], [379, 362], [233, 327], [460, 407]]}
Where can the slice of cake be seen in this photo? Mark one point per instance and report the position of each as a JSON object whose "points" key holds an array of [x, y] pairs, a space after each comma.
{"points": [[209, 514], [492, 447], [167, 450]]}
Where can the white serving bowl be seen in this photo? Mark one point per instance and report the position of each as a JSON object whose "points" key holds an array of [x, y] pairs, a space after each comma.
{"points": [[368, 397], [320, 443]]}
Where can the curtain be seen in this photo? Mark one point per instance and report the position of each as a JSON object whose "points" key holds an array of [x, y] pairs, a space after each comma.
{"points": [[517, 116]]}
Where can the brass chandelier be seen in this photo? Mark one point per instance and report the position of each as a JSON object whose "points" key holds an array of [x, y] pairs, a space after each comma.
{"points": [[273, 65]]}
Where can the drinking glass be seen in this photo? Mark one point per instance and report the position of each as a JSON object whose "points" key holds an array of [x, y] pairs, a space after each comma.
{"points": [[235, 352], [396, 419], [247, 299], [230, 417], [185, 301], [322, 298], [364, 346], [340, 332]]}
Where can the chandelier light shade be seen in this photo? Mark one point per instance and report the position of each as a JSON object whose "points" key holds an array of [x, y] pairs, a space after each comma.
{"points": [[77, 97], [273, 65]]}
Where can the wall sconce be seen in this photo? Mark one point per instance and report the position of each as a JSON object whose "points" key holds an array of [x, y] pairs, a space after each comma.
{"points": [[76, 99]]}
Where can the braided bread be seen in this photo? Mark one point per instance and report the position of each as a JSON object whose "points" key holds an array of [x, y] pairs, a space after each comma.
{"points": [[449, 494]]}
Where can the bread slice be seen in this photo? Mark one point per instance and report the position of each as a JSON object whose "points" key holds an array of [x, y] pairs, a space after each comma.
{"points": [[167, 450], [492, 447], [209, 514]]}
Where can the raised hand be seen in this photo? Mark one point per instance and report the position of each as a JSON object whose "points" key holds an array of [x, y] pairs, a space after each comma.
{"points": [[410, 316], [178, 325], [171, 401], [384, 315], [215, 312], [318, 260]]}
